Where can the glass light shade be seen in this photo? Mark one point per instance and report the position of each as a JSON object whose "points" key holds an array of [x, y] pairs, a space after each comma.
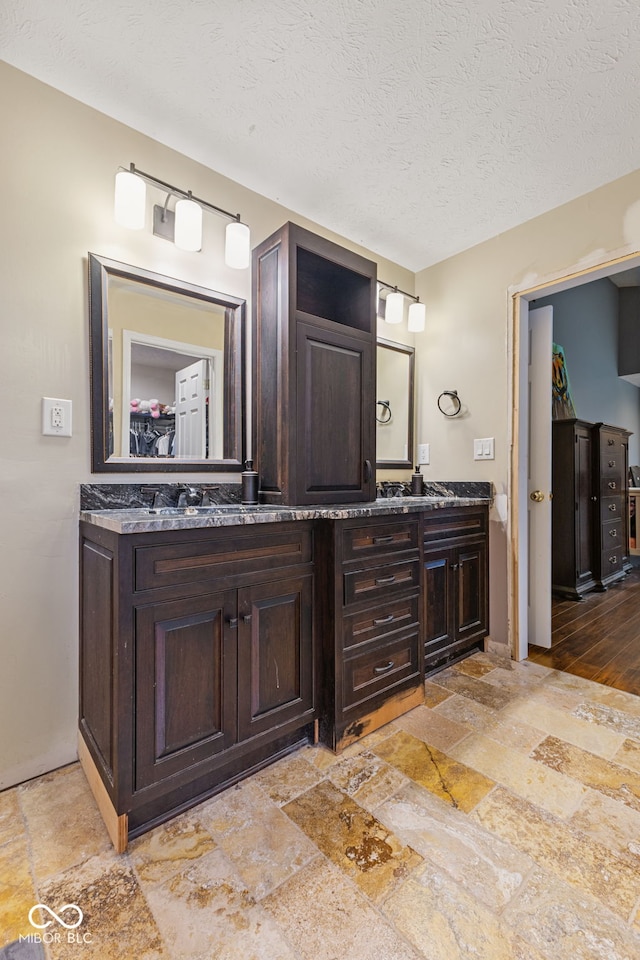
{"points": [[417, 315], [237, 248], [394, 310], [130, 197], [188, 225]]}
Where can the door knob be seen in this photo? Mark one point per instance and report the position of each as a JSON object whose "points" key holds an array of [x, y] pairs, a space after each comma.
{"points": [[537, 496]]}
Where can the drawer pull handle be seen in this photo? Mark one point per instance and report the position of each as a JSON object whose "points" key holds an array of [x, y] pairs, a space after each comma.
{"points": [[613, 559], [389, 619], [382, 580], [384, 668], [613, 533], [247, 618], [233, 622], [612, 463], [612, 484], [388, 539], [610, 442], [612, 507]]}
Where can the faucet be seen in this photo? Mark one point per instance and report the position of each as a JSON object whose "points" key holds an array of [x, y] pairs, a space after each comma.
{"points": [[155, 492], [206, 499], [188, 496]]}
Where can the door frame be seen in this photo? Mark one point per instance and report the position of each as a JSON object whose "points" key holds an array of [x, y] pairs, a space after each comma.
{"points": [[519, 298]]}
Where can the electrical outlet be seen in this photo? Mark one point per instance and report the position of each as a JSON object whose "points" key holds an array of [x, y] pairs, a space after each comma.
{"points": [[56, 417], [423, 453]]}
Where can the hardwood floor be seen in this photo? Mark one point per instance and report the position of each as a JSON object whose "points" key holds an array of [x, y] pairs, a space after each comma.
{"points": [[598, 639]]}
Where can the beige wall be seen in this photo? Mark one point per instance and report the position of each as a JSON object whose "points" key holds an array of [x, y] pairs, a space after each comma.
{"points": [[57, 166], [465, 345]]}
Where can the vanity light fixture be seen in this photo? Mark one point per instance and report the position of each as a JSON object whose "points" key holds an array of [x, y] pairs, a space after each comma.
{"points": [[417, 317], [394, 309], [184, 226]]}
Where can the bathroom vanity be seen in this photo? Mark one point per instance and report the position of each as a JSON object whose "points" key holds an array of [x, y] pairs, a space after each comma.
{"points": [[216, 639]]}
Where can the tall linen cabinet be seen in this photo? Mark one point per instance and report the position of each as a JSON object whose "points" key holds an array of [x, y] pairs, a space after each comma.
{"points": [[314, 362]]}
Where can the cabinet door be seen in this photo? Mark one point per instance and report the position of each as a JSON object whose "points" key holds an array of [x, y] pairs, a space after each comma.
{"points": [[470, 571], [335, 443], [185, 658], [439, 603], [275, 668]]}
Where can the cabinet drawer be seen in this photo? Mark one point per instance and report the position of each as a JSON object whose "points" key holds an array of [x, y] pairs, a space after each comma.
{"points": [[611, 462], [611, 486], [378, 621], [376, 583], [453, 524], [610, 561], [611, 508], [219, 555], [380, 668], [373, 539], [612, 535]]}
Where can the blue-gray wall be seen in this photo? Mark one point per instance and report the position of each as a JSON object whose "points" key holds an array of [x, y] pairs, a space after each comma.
{"points": [[585, 323]]}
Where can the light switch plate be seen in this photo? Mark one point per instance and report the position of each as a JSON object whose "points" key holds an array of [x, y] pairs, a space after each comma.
{"points": [[56, 417], [483, 449]]}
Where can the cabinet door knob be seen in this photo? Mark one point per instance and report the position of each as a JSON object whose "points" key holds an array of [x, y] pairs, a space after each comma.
{"points": [[247, 618], [454, 566], [233, 622], [384, 668]]}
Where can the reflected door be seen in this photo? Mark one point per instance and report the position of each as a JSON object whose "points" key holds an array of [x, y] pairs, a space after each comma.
{"points": [[192, 390]]}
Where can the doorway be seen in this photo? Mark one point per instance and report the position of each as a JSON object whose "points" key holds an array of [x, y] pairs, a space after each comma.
{"points": [[520, 538]]}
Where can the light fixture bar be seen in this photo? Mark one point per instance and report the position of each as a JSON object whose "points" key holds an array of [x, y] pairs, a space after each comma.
{"points": [[185, 194], [394, 289]]}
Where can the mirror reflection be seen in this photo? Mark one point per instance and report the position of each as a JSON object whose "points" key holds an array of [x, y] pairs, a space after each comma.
{"points": [[167, 368], [394, 405]]}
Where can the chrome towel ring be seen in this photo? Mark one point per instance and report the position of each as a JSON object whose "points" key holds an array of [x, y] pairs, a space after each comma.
{"points": [[455, 400]]}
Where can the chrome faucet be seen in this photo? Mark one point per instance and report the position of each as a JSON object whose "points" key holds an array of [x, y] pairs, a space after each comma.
{"points": [[189, 496], [206, 499], [155, 493]]}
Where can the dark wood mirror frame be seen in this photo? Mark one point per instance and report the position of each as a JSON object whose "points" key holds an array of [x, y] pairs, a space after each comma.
{"points": [[409, 351], [234, 448]]}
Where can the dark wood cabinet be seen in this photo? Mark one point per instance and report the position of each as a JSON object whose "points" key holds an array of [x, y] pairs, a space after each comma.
{"points": [[314, 315], [572, 510], [589, 509], [611, 478], [370, 625], [456, 565], [196, 662]]}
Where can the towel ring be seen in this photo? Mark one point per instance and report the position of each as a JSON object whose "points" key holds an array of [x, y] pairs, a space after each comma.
{"points": [[386, 405], [456, 403]]}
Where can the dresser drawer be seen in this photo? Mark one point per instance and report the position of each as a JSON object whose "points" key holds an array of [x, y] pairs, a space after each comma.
{"points": [[377, 539], [220, 554], [611, 561], [612, 534], [611, 508], [380, 668], [611, 486], [378, 621], [611, 462], [379, 582]]}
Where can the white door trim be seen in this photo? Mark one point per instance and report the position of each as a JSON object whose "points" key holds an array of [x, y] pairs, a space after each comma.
{"points": [[519, 298]]}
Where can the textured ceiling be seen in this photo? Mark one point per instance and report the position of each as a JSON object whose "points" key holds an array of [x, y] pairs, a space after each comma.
{"points": [[415, 127]]}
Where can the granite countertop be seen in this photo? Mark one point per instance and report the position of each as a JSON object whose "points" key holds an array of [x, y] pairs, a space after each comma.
{"points": [[146, 520]]}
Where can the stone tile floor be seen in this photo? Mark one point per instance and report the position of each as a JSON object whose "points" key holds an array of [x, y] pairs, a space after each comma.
{"points": [[499, 821]]}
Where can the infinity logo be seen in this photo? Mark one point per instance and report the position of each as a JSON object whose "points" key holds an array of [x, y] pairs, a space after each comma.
{"points": [[47, 923]]}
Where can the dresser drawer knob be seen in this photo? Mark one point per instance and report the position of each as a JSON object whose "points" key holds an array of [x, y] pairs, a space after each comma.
{"points": [[613, 559], [613, 533], [612, 484], [610, 441], [389, 619], [612, 463], [612, 507], [384, 668], [382, 580], [388, 539]]}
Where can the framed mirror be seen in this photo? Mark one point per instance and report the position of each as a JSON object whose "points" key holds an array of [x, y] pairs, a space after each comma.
{"points": [[167, 373], [394, 405]]}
